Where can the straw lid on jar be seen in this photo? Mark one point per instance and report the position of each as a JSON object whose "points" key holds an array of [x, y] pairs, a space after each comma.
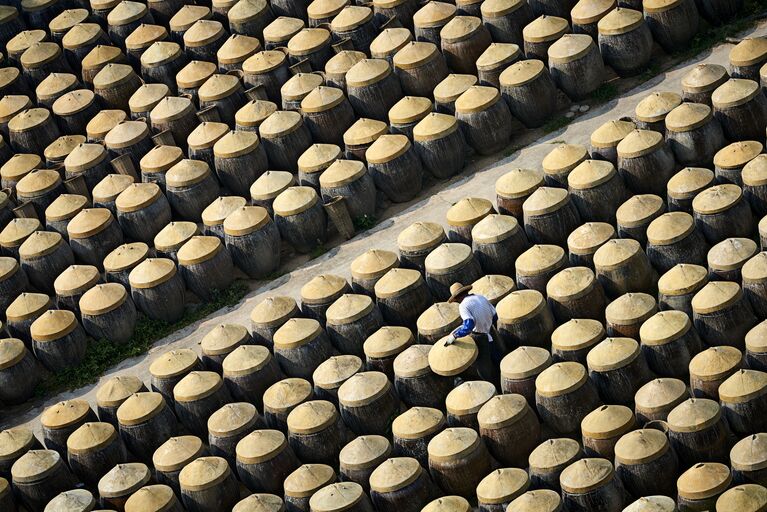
{"points": [[639, 143], [620, 21], [670, 228], [367, 72], [664, 327], [577, 334], [216, 212], [321, 99], [611, 133], [559, 379], [196, 386], [273, 311], [589, 237], [39, 244], [223, 339], [52, 325], [494, 228], [255, 112], [468, 211], [323, 288], [395, 474], [336, 370], [453, 444], [502, 485], [76, 279], [612, 353], [591, 11], [734, 92], [349, 308], [60, 148], [743, 386], [387, 341], [312, 417], [245, 360], [410, 109], [363, 388], [469, 397], [284, 395], [748, 52], [545, 28], [545, 200], [477, 98], [35, 465], [18, 230], [703, 480], [199, 249], [322, 9], [203, 32], [40, 54], [12, 104], [260, 446], [272, 184], [494, 287], [233, 419], [453, 86], [737, 154], [688, 116], [364, 131], [103, 298], [307, 479], [160, 159], [586, 475], [89, 222], [342, 172], [704, 77], [434, 14], [570, 47], [418, 422], [434, 126], [103, 122], [420, 235], [26, 306], [415, 54], [628, 309], [660, 395], [616, 252], [715, 363], [447, 257], [195, 74], [571, 284], [396, 282], [689, 181], [177, 452], [297, 332], [731, 254], [638, 209], [15, 441], [750, 453], [308, 41], [373, 264], [64, 414], [525, 362], [137, 196], [65, 207], [641, 446], [38, 182], [52, 86], [173, 363], [300, 85], [147, 97], [564, 158], [249, 10], [152, 272], [12, 350], [218, 87], [22, 41], [350, 18], [608, 421], [452, 359], [716, 296], [590, 174], [448, 504], [204, 473], [717, 199], [540, 259], [237, 48], [282, 29], [90, 438], [656, 106], [174, 235], [118, 389]]}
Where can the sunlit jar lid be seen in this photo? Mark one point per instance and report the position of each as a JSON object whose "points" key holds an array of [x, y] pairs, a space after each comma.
{"points": [[545, 28], [704, 78]]}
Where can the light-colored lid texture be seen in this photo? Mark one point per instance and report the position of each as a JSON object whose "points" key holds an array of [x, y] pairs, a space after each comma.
{"points": [[703, 480], [612, 353]]}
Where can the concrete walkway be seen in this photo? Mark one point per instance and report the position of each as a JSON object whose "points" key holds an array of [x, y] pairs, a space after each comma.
{"points": [[479, 183]]}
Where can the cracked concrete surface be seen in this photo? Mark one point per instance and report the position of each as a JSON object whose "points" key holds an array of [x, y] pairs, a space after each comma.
{"points": [[478, 181]]}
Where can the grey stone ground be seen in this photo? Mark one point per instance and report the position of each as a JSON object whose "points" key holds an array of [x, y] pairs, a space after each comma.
{"points": [[476, 182]]}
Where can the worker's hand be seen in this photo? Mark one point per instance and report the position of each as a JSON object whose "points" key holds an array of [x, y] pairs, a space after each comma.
{"points": [[450, 340]]}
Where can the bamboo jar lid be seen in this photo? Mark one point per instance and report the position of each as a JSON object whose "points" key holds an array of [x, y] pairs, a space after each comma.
{"points": [[654, 107], [26, 306], [664, 327], [323, 289], [660, 395], [540, 259], [493, 228], [187, 172], [563, 159], [607, 421], [12, 104], [123, 480], [450, 360], [715, 363], [519, 306], [197, 385], [418, 423], [620, 21], [199, 249], [273, 311], [541, 500], [223, 339], [682, 279], [24, 40], [419, 236], [748, 52], [37, 183], [734, 92], [413, 362], [40, 54], [137, 196], [477, 98], [364, 452], [453, 444], [160, 159], [434, 14], [611, 133], [502, 486], [245, 220], [19, 165], [448, 504], [363, 388], [321, 99], [560, 379], [144, 36], [159, 53], [90, 438], [53, 85], [737, 154], [569, 48], [687, 117], [577, 334], [126, 134], [447, 257], [282, 29], [616, 253], [118, 389], [743, 386], [364, 131], [716, 296], [410, 109], [280, 124], [29, 119], [389, 41], [754, 173], [590, 174], [387, 341], [221, 208], [756, 339], [368, 72], [755, 269], [151, 498], [350, 18], [52, 325], [337, 497], [349, 308], [590, 11], [64, 414], [195, 74], [501, 411], [694, 415], [640, 447], [308, 41], [203, 32], [59, 149], [395, 474], [113, 75], [174, 235], [731, 254], [469, 397], [544, 29], [571, 284], [334, 371], [296, 332], [498, 56], [307, 479], [103, 122], [218, 87], [187, 15], [126, 12], [554, 454], [639, 143], [631, 308], [415, 54], [589, 237], [76, 499], [374, 263], [689, 181], [255, 112], [746, 497], [147, 97], [452, 87], [273, 183], [35, 465], [468, 211], [301, 84], [750, 453], [337, 66], [260, 446], [545, 200], [494, 287], [284, 395], [703, 480], [318, 157], [245, 360], [204, 473], [65, 207], [8, 267], [704, 78], [312, 417], [12, 351], [152, 272], [232, 419], [40, 244], [76, 279], [586, 475], [525, 362], [14, 442], [434, 126], [342, 172], [237, 48], [396, 282], [612, 354]]}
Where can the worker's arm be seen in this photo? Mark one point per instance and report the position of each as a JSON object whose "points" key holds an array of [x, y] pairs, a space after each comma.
{"points": [[466, 327]]}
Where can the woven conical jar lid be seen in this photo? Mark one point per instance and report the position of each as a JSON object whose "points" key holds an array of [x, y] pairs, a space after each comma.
{"points": [[307, 479], [694, 415], [611, 133], [76, 279], [260, 502], [703, 480], [284, 395], [453, 86], [174, 235], [123, 480], [389, 41], [338, 65], [273, 183], [118, 389], [434, 14], [418, 422], [318, 157], [364, 452], [469, 397], [524, 362], [177, 452], [282, 29], [661, 394], [540, 259], [453, 359], [387, 341], [545, 28], [255, 112], [734, 92], [65, 414], [704, 77], [589, 237], [410, 109]]}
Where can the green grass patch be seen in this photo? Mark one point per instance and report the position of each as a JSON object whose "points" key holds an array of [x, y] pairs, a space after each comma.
{"points": [[102, 354], [364, 222], [605, 92], [317, 252], [557, 123]]}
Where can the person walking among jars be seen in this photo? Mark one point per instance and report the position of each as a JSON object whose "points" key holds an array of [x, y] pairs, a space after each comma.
{"points": [[479, 318]]}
